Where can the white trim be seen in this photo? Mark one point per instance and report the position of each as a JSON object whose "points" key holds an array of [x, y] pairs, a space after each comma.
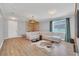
{"points": [[5, 39], [11, 37], [1, 44]]}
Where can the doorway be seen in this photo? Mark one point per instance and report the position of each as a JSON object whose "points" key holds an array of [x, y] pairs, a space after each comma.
{"points": [[12, 29]]}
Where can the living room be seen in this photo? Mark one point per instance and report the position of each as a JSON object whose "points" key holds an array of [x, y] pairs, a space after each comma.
{"points": [[50, 22]]}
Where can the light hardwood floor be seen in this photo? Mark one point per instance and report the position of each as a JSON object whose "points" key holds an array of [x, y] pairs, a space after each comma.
{"points": [[21, 47]]}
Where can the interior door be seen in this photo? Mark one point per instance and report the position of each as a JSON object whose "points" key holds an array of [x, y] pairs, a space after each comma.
{"points": [[12, 29]]}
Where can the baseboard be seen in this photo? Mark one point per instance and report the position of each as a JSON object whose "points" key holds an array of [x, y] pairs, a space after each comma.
{"points": [[7, 38], [12, 37], [1, 44]]}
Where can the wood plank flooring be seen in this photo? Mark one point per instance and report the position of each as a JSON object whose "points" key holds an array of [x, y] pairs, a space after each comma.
{"points": [[21, 47]]}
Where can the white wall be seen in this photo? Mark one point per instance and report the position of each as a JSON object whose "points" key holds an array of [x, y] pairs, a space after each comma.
{"points": [[1, 31], [72, 26], [44, 26], [21, 27]]}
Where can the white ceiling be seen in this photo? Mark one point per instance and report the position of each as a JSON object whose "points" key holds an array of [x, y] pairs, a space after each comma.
{"points": [[40, 10]]}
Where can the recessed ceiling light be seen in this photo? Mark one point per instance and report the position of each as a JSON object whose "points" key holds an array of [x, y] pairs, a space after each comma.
{"points": [[51, 12], [12, 18]]}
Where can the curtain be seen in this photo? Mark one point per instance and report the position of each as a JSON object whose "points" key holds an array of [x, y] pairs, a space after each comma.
{"points": [[50, 26], [67, 33]]}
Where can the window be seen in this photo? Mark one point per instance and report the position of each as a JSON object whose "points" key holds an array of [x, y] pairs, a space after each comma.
{"points": [[59, 26]]}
